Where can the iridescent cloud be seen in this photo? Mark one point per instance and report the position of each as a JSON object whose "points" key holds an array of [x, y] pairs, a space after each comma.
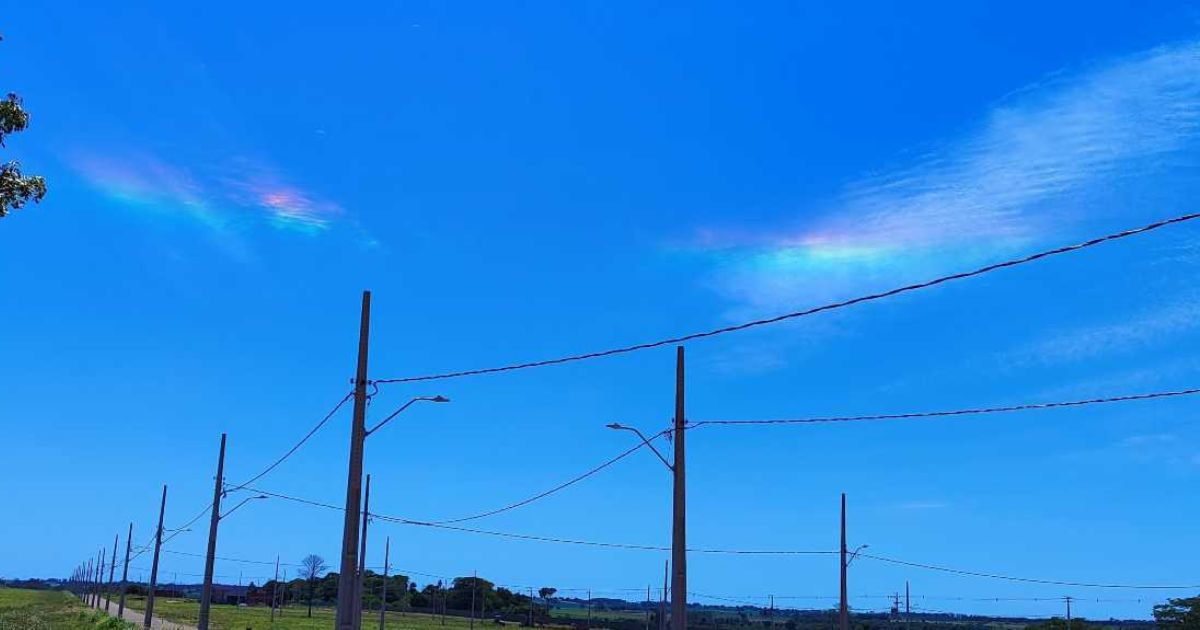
{"points": [[1028, 171], [238, 196]]}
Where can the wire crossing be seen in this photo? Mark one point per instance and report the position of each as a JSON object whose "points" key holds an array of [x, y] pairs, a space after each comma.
{"points": [[802, 313]]}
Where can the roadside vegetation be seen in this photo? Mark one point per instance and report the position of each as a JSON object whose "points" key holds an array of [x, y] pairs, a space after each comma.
{"points": [[22, 609]]}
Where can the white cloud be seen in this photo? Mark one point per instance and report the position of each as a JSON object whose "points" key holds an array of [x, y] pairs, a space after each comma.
{"points": [[988, 192], [1141, 330], [923, 505]]}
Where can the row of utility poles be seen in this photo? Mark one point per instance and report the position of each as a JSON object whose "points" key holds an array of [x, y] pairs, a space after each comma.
{"points": [[87, 580], [354, 533]]}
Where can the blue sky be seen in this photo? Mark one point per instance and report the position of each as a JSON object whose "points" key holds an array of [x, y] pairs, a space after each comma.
{"points": [[520, 181]]}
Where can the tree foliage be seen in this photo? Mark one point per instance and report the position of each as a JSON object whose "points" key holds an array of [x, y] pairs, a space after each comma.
{"points": [[1178, 614], [16, 188]]}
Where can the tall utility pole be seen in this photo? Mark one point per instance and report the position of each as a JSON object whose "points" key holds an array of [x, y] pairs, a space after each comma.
{"points": [[679, 529], [125, 572], [112, 568], [100, 576], [275, 591], [844, 608], [648, 605], [662, 603], [87, 582], [1068, 600], [210, 558], [471, 615], [387, 550], [907, 608], [346, 610], [162, 509], [362, 551]]}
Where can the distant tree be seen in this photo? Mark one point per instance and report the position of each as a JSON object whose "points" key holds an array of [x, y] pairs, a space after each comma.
{"points": [[1178, 614], [311, 568], [546, 592], [16, 189]]}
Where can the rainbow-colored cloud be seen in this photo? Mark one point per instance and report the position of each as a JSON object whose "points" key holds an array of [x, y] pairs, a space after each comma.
{"points": [[1029, 171], [239, 196]]}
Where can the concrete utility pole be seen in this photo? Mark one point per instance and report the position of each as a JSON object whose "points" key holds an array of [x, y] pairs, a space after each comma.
{"points": [[589, 610], [346, 610], [1068, 600], [387, 550], [662, 602], [87, 582], [679, 528], [99, 577], [843, 608], [530, 606], [210, 558], [362, 550], [148, 618], [907, 608], [125, 572], [648, 605], [474, 585], [112, 569], [275, 592]]}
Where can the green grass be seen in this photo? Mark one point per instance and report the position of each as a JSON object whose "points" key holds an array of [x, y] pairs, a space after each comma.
{"points": [[224, 617], [22, 609]]}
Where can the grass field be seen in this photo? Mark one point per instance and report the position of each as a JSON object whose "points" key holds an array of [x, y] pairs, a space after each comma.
{"points": [[22, 609], [223, 617]]}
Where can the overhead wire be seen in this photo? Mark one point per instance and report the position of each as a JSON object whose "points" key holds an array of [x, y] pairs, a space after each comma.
{"points": [[530, 537], [562, 486], [294, 448], [208, 506], [1014, 262], [996, 576], [957, 412]]}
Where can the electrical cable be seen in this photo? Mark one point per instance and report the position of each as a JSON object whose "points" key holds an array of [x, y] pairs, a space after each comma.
{"points": [[1010, 578], [802, 313], [958, 412], [562, 486], [590, 543], [295, 448]]}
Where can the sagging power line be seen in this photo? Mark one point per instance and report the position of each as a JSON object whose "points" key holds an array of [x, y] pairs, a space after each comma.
{"points": [[801, 313]]}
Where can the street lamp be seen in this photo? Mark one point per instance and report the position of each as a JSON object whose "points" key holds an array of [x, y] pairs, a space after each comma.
{"points": [[645, 440], [210, 558], [436, 399], [350, 578]]}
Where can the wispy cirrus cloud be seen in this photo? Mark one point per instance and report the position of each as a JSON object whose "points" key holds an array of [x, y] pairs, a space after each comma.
{"points": [[923, 505], [989, 192], [1140, 330], [238, 196]]}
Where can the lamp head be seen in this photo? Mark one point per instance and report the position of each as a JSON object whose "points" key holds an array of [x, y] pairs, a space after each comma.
{"points": [[439, 399], [615, 425]]}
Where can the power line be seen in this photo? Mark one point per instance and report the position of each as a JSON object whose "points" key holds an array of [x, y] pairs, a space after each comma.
{"points": [[562, 486], [530, 537], [773, 552], [297, 446], [260, 475], [1010, 578], [802, 313], [959, 412]]}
